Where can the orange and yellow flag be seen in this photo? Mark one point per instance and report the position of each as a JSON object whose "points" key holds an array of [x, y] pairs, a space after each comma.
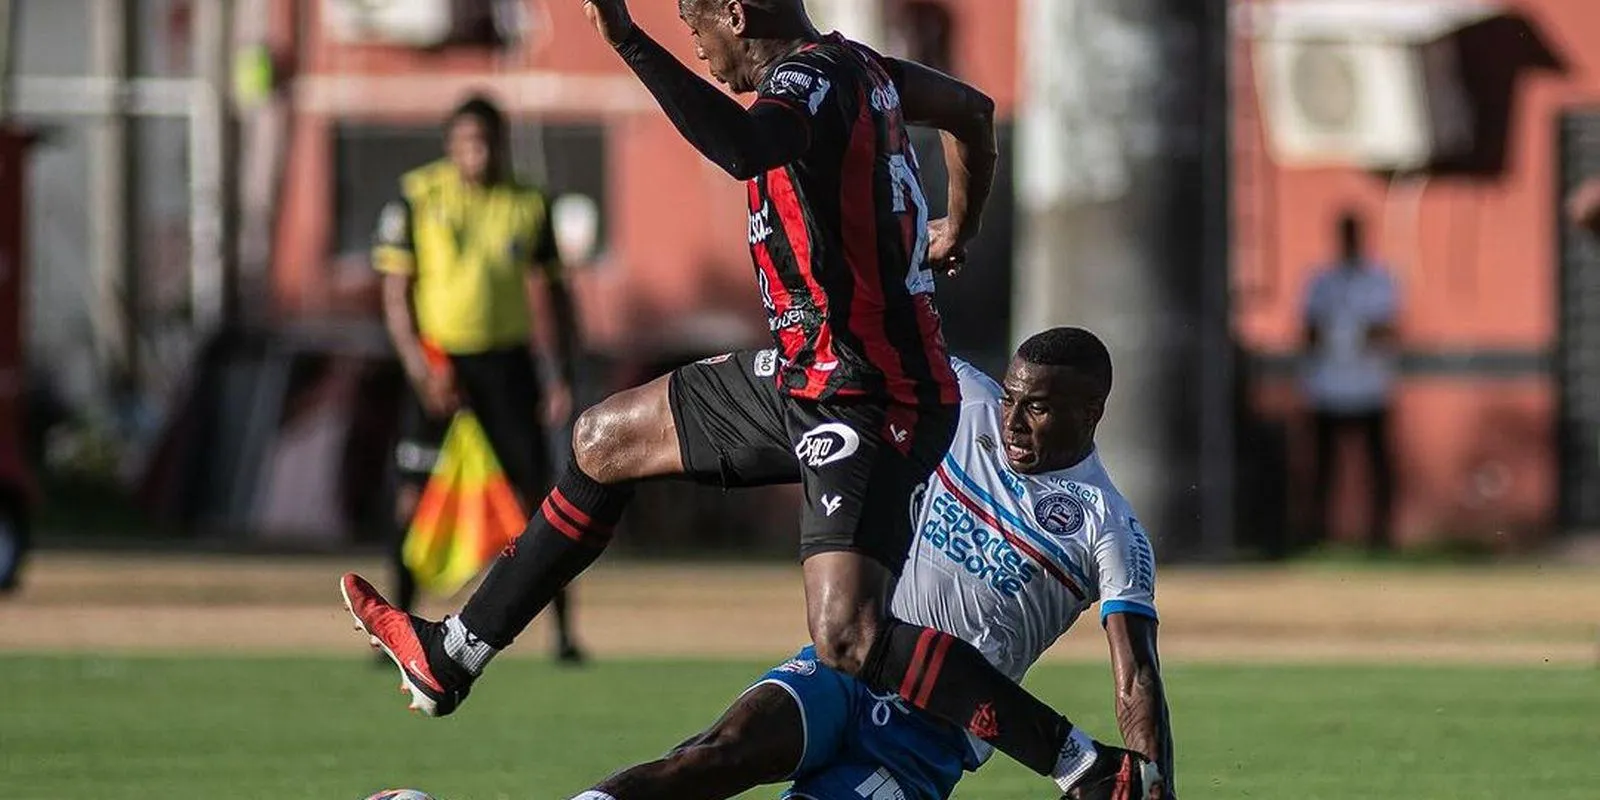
{"points": [[467, 514]]}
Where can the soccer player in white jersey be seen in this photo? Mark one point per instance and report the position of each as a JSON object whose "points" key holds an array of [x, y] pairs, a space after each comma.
{"points": [[1020, 531]]}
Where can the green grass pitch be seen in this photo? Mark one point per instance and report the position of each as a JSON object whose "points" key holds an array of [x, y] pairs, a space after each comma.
{"points": [[210, 727]]}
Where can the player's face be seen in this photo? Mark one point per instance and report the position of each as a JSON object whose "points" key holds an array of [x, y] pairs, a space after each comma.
{"points": [[467, 144], [1048, 416], [717, 43]]}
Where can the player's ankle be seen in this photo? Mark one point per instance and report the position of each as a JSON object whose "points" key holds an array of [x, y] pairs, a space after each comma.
{"points": [[468, 651], [1078, 755]]}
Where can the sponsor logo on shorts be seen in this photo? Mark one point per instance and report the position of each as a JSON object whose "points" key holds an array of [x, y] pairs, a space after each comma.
{"points": [[831, 503], [766, 364], [1060, 514], [881, 785], [986, 555], [828, 443], [715, 359], [799, 666], [884, 706]]}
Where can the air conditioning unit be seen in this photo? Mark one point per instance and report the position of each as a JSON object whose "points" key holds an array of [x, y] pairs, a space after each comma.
{"points": [[1368, 84], [411, 23]]}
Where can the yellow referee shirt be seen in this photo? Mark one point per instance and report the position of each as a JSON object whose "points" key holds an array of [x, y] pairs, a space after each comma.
{"points": [[469, 247]]}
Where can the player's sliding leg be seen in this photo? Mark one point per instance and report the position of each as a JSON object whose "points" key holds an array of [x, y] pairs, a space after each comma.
{"points": [[627, 437], [759, 740]]}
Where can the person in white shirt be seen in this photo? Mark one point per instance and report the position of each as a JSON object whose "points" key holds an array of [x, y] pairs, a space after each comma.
{"points": [[1019, 531], [1351, 307]]}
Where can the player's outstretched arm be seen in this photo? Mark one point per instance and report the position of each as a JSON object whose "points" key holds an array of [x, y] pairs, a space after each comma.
{"points": [[1141, 698], [965, 118], [743, 142]]}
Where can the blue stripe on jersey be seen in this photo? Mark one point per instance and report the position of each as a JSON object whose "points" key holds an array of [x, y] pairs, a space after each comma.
{"points": [[1002, 512], [1110, 607]]}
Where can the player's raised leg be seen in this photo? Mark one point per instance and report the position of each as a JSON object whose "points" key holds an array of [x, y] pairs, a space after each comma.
{"points": [[626, 437]]}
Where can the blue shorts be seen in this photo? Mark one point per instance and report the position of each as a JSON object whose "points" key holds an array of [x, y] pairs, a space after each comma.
{"points": [[861, 745]]}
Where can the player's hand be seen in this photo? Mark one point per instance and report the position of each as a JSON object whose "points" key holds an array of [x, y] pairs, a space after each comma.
{"points": [[440, 397], [610, 18], [557, 404], [946, 252], [1119, 773]]}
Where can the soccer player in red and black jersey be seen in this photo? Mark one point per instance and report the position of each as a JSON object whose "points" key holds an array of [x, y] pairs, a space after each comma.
{"points": [[857, 402]]}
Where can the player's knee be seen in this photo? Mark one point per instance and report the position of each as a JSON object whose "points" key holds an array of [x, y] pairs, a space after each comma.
{"points": [[843, 645], [598, 434]]}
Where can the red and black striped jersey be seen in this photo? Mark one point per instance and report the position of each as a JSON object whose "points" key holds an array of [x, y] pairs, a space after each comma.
{"points": [[840, 238]]}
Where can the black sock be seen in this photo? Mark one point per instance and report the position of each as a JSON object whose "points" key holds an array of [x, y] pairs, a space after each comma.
{"points": [[950, 679], [568, 532]]}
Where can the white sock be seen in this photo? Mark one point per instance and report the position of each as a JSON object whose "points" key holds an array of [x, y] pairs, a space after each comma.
{"points": [[465, 648], [1077, 756], [593, 795]]}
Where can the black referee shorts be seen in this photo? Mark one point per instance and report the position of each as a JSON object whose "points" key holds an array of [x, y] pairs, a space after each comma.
{"points": [[859, 461], [501, 388]]}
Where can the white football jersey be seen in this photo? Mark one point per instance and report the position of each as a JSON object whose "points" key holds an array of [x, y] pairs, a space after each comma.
{"points": [[1007, 562]]}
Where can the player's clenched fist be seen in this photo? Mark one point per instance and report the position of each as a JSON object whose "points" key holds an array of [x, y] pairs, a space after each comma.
{"points": [[1119, 774], [610, 18]]}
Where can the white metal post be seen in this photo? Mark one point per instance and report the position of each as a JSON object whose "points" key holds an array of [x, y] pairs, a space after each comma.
{"points": [[211, 267], [115, 305]]}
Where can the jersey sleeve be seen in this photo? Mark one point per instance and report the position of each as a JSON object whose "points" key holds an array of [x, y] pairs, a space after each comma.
{"points": [[808, 90], [393, 250], [976, 387], [1127, 569]]}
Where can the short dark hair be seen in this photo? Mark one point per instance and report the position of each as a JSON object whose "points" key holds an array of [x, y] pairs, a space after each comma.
{"points": [[1071, 348], [484, 109]]}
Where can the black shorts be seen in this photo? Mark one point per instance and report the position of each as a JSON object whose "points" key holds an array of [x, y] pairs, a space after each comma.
{"points": [[859, 461], [501, 388]]}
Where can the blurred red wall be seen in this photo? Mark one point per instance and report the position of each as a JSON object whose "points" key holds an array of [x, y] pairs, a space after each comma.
{"points": [[1477, 260], [678, 233]]}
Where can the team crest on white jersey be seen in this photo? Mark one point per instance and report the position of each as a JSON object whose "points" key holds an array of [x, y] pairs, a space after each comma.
{"points": [[1060, 514]]}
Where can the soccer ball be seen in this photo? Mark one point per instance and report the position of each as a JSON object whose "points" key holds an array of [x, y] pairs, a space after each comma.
{"points": [[401, 794]]}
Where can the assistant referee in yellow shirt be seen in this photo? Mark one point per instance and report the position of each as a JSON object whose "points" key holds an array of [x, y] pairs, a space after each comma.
{"points": [[472, 295]]}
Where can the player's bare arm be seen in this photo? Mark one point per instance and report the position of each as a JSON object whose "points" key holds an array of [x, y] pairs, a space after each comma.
{"points": [[964, 117], [1141, 699], [555, 336], [743, 142], [433, 386]]}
